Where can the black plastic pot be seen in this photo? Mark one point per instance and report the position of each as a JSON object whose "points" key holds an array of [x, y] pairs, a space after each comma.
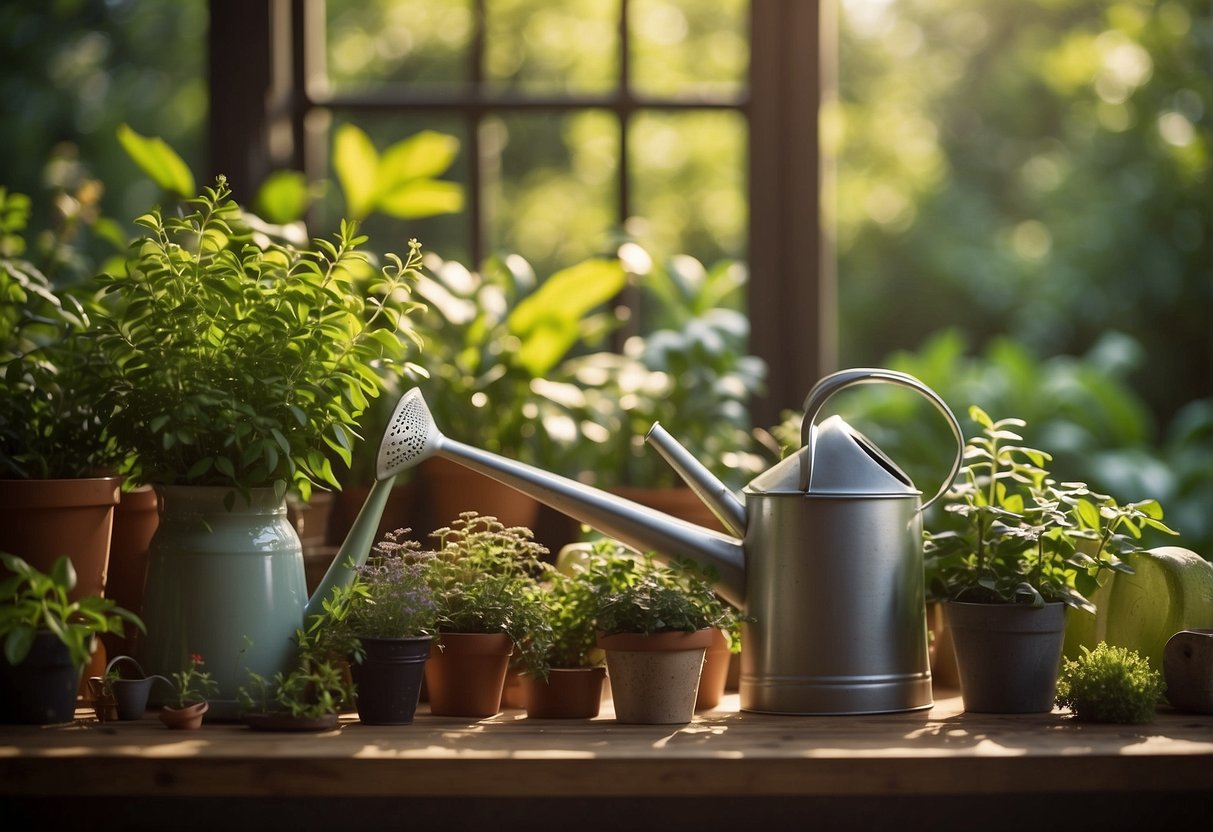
{"points": [[42, 689], [388, 680]]}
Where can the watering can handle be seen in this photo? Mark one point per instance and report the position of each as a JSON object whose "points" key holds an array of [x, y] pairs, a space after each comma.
{"points": [[835, 382]]}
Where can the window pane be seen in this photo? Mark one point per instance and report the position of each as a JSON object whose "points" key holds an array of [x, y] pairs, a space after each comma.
{"points": [[549, 187], [689, 184], [386, 42], [689, 48], [541, 46]]}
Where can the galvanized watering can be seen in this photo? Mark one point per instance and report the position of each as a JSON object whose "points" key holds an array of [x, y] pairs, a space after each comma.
{"points": [[827, 558]]}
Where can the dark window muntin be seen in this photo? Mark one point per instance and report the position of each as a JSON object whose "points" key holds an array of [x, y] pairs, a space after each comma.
{"points": [[266, 60]]}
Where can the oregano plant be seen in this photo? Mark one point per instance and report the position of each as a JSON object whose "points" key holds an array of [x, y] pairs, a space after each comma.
{"points": [[1023, 537]]}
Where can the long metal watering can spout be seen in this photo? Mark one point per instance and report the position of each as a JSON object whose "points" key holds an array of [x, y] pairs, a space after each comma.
{"points": [[358, 542], [412, 437]]}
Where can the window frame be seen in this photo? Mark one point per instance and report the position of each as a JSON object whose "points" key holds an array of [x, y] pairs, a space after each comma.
{"points": [[262, 120]]}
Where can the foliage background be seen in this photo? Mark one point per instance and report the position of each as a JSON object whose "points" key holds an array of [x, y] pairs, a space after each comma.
{"points": [[1022, 210]]}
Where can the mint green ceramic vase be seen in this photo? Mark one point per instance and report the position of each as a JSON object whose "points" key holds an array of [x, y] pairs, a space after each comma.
{"points": [[227, 585]]}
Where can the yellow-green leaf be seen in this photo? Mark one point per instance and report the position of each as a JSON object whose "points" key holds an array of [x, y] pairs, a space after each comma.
{"points": [[159, 161]]}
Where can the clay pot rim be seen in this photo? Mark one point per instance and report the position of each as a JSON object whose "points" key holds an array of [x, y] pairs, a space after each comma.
{"points": [[658, 642], [494, 644], [60, 493]]}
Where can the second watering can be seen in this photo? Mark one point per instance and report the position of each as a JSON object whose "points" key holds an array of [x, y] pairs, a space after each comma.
{"points": [[826, 561]]}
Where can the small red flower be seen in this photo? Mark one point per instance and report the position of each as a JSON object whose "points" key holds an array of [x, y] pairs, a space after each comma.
{"points": [[196, 658]]}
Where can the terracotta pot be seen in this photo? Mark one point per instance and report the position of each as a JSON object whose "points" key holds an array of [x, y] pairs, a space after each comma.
{"points": [[466, 673], [40, 520], [568, 693], [135, 519], [449, 489], [655, 678], [311, 518], [514, 691], [188, 718], [715, 673], [941, 651]]}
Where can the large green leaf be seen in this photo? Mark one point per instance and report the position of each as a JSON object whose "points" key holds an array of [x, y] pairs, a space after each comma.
{"points": [[422, 156], [159, 161], [422, 198], [357, 165], [547, 322], [283, 196]]}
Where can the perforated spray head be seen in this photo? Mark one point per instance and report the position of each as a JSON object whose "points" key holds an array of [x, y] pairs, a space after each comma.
{"points": [[411, 436]]}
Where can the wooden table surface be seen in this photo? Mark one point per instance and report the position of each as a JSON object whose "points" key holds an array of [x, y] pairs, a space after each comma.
{"points": [[722, 753]]}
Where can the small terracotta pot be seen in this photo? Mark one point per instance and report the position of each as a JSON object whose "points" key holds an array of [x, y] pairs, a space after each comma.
{"points": [[188, 718], [568, 693], [715, 673], [450, 488], [466, 673], [655, 678], [515, 690]]}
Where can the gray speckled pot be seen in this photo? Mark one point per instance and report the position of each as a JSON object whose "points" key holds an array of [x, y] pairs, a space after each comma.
{"points": [[655, 678]]}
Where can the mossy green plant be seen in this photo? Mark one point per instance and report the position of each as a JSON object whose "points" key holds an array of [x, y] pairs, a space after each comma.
{"points": [[1109, 684]]}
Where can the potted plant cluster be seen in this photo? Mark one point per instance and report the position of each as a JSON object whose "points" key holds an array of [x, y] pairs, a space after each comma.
{"points": [[655, 624], [485, 579], [230, 365], [1025, 548], [390, 615], [48, 639]]}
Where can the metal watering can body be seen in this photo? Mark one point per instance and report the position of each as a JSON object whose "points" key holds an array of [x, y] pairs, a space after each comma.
{"points": [[826, 562]]}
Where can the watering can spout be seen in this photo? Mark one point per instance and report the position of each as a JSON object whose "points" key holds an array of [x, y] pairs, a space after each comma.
{"points": [[357, 545], [715, 494], [414, 437]]}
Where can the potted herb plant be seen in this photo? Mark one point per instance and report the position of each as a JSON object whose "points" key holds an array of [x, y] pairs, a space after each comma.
{"points": [[655, 623], [230, 363], [564, 676], [485, 580], [48, 639], [1010, 569], [311, 694], [391, 615], [191, 688], [57, 492]]}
